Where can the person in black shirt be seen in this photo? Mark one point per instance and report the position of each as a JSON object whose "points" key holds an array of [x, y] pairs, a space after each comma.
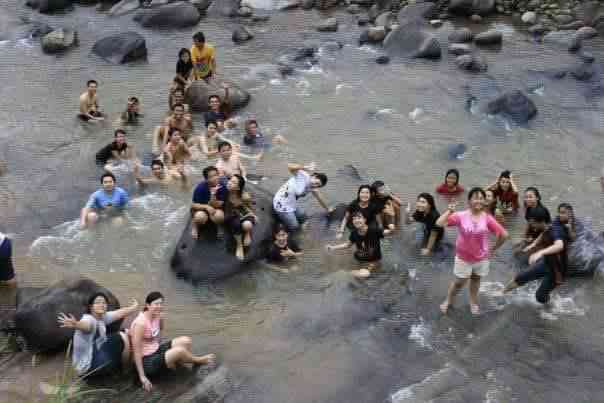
{"points": [[387, 205], [427, 214], [549, 262], [282, 248], [184, 65], [361, 204], [367, 242]]}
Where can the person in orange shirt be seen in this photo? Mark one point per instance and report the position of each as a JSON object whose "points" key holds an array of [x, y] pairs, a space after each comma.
{"points": [[202, 55]]}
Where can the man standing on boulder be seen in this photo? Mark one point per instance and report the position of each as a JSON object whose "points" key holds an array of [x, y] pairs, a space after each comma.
{"points": [[204, 62]]}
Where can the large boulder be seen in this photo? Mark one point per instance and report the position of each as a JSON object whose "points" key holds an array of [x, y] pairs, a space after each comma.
{"points": [[49, 6], [328, 25], [491, 37], [59, 40], [515, 105], [36, 317], [471, 63], [586, 253], [564, 39], [470, 7], [197, 94], [121, 48], [325, 4], [241, 34], [224, 8], [385, 20], [413, 41], [417, 12], [461, 35], [178, 15]]}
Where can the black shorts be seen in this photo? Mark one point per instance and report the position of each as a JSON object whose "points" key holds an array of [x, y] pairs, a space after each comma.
{"points": [[155, 364], [108, 358], [7, 270], [235, 223]]}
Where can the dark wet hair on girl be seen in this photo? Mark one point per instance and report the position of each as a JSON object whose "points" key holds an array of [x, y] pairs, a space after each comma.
{"points": [[538, 214], [535, 191], [182, 51], [153, 296], [279, 228], [505, 174], [453, 171], [241, 181], [375, 186], [93, 297], [475, 190], [565, 206], [361, 188], [429, 198]]}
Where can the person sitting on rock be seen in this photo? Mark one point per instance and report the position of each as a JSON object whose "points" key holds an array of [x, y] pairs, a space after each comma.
{"points": [[151, 358], [285, 201], [239, 214], [116, 152], [367, 241], [203, 58], [178, 120], [89, 104], [96, 353], [110, 199], [362, 203], [208, 201], [160, 177], [7, 270], [426, 214], [184, 66], [387, 204], [132, 113], [283, 248], [506, 192], [450, 187]]}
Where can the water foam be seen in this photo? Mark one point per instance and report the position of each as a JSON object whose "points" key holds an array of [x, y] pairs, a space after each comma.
{"points": [[420, 333]]}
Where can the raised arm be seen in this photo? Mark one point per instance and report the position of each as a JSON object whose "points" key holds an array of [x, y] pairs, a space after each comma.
{"points": [[123, 312], [442, 220], [345, 245], [70, 322], [317, 194]]}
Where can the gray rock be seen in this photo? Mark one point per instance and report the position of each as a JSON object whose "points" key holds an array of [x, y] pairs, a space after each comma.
{"points": [[121, 48], [530, 17], [416, 12], [385, 20], [245, 12], [224, 8], [374, 35], [475, 18], [436, 23], [364, 3], [461, 35], [328, 25], [469, 7], [290, 5], [586, 33], [491, 37], [459, 49], [49, 6], [39, 29], [241, 34], [587, 57], [177, 15], [59, 40], [515, 105], [565, 39], [382, 60], [571, 26], [363, 20], [353, 9], [563, 19], [373, 12], [197, 94], [326, 4], [538, 29], [411, 40], [584, 72], [471, 63], [201, 5], [307, 4]]}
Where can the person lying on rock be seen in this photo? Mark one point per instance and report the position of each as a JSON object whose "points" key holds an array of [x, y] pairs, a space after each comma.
{"points": [[203, 58], [160, 177], [7, 270], [178, 120], [450, 187], [208, 201], [96, 353], [116, 152], [362, 203], [239, 214], [89, 104], [283, 248], [506, 192], [151, 358], [367, 242], [285, 201], [388, 205], [110, 200], [426, 214], [549, 261], [132, 113]]}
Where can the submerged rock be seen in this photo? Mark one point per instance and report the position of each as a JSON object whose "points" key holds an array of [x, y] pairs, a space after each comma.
{"points": [[224, 8], [178, 15], [49, 6], [242, 34], [328, 25], [471, 63], [59, 40], [121, 48], [586, 253], [469, 7], [461, 35], [491, 37], [515, 105], [412, 41], [459, 49]]}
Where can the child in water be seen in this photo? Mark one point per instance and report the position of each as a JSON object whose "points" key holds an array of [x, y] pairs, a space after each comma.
{"points": [[282, 249], [451, 186]]}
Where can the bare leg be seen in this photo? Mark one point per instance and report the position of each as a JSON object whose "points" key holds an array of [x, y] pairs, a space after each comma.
{"points": [[217, 217], [454, 288], [239, 253], [179, 355], [184, 342], [474, 287], [126, 350], [247, 227], [12, 283], [199, 219], [91, 218]]}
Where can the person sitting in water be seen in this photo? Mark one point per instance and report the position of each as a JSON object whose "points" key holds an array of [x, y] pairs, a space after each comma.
{"points": [[178, 120], [117, 151], [451, 186], [205, 146], [506, 192], [132, 113], [229, 162], [239, 214], [89, 104], [208, 201], [203, 58], [367, 241], [254, 139], [106, 200], [285, 201], [160, 177], [549, 261], [283, 248], [491, 206], [95, 352], [387, 204], [176, 152], [363, 204], [426, 214], [184, 66], [151, 358], [7, 270], [532, 199], [177, 97]]}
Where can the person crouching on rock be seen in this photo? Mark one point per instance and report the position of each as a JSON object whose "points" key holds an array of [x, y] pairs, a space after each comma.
{"points": [[208, 201], [7, 270], [95, 352], [151, 358], [239, 215], [367, 241], [89, 104], [110, 199]]}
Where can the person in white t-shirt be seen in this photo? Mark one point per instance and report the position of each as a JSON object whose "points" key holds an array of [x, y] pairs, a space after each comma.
{"points": [[7, 271], [301, 182]]}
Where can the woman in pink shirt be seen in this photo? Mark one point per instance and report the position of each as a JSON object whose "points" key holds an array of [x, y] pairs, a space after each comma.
{"points": [[152, 358], [472, 247]]}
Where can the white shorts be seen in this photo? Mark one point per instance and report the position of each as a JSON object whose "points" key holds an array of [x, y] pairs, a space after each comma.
{"points": [[463, 269]]}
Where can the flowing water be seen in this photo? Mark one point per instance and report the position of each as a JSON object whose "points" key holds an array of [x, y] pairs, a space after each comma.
{"points": [[309, 334]]}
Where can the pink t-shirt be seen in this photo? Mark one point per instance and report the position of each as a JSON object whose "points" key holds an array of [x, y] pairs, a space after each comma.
{"points": [[472, 244], [151, 336]]}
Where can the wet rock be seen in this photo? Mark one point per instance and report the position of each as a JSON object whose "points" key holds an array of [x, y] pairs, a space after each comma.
{"points": [[39, 29], [461, 35], [326, 4], [224, 8], [245, 12], [565, 39], [290, 5], [123, 7], [491, 37], [59, 40], [410, 41], [586, 253], [469, 7], [476, 19], [353, 9], [538, 29], [49, 6], [198, 92], [241, 34], [571, 26], [471, 63], [121, 48], [36, 318], [418, 12], [515, 105], [362, 20], [459, 49], [382, 59], [373, 35], [587, 57], [563, 19], [177, 15], [584, 72], [307, 4], [586, 33], [260, 17], [436, 23], [385, 20], [456, 151], [332, 46], [202, 5], [530, 17], [328, 25], [373, 12]]}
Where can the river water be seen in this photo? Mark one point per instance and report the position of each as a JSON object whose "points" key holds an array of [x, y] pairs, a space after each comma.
{"points": [[310, 334]]}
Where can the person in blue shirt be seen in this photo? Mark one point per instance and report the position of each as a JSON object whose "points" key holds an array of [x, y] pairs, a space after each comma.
{"points": [[108, 199], [208, 201]]}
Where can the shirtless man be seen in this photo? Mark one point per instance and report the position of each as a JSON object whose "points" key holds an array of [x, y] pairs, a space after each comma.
{"points": [[89, 104], [132, 112], [177, 120], [160, 177], [178, 97], [229, 163]]}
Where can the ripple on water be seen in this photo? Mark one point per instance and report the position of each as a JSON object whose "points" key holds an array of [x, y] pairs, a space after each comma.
{"points": [[420, 333]]}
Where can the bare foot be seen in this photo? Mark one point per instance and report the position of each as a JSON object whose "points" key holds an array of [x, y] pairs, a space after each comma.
{"points": [[194, 232], [444, 307]]}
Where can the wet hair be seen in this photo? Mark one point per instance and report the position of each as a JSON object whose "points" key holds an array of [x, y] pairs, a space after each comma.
{"points": [[376, 185], [207, 170], [107, 174], [538, 214], [174, 130], [213, 122], [91, 82], [178, 105], [357, 213], [223, 144], [565, 206], [133, 99], [475, 190], [535, 191], [157, 162], [505, 174], [153, 296], [359, 192], [241, 181], [93, 297], [118, 131], [453, 171], [278, 228], [199, 37], [321, 177], [213, 96], [250, 122], [183, 51], [429, 198]]}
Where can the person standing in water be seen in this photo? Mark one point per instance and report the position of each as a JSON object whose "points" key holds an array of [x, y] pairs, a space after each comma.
{"points": [[203, 58], [184, 66], [283, 248], [7, 270], [506, 192], [426, 214], [89, 104], [109, 198], [362, 203], [472, 247], [450, 187]]}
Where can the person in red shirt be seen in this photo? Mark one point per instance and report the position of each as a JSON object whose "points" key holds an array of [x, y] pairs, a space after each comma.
{"points": [[451, 186], [506, 192]]}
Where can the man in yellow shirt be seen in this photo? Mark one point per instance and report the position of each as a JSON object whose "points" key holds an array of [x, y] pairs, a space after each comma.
{"points": [[202, 55]]}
